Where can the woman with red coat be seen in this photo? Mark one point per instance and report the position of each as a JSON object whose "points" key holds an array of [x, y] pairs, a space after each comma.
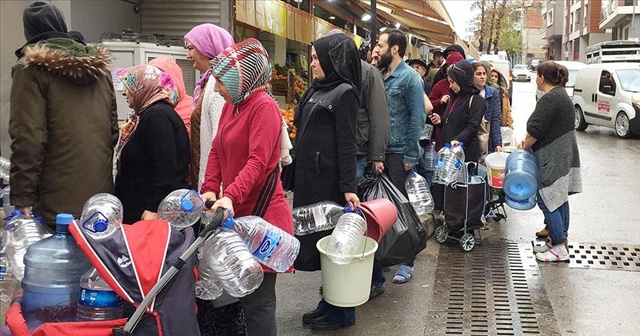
{"points": [[440, 95], [244, 160]]}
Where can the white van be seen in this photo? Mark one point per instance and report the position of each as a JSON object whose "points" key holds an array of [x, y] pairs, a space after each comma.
{"points": [[573, 68], [608, 94]]}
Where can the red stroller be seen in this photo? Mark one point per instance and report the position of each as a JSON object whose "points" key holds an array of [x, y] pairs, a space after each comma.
{"points": [[142, 264]]}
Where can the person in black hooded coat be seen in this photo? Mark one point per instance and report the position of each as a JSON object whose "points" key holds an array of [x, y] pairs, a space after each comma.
{"points": [[325, 152], [442, 73]]}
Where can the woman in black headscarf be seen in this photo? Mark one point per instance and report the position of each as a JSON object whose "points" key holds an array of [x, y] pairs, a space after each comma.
{"points": [[325, 152], [461, 119]]}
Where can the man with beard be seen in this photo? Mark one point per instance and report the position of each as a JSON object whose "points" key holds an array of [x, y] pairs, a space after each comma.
{"points": [[405, 98]]}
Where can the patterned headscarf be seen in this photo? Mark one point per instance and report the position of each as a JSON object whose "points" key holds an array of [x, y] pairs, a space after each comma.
{"points": [[243, 69], [210, 40], [146, 85]]}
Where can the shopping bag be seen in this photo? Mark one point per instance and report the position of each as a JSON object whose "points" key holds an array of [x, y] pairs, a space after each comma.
{"points": [[465, 202], [407, 237]]}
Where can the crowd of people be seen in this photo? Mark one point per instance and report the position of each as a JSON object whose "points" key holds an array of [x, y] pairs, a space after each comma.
{"points": [[365, 108]]}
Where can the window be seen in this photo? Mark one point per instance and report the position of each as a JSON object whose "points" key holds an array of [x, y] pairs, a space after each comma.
{"points": [[606, 80], [549, 17]]}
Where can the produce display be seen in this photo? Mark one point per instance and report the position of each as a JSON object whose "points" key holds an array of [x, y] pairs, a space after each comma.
{"points": [[288, 115]]}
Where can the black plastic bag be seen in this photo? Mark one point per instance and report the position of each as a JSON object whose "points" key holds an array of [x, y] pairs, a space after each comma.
{"points": [[407, 237]]}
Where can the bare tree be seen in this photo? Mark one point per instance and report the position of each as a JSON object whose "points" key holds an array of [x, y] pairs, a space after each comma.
{"points": [[494, 11], [481, 23], [502, 15]]}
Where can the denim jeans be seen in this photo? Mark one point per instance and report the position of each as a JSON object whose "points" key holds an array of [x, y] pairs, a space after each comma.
{"points": [[361, 165], [341, 314], [557, 221]]}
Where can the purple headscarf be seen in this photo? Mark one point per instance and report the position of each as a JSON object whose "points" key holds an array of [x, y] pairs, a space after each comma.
{"points": [[210, 40]]}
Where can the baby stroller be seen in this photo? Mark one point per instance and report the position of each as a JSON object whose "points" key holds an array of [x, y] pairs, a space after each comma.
{"points": [[142, 264], [464, 205]]}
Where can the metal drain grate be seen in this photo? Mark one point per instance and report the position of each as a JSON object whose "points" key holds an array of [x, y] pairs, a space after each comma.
{"points": [[603, 256], [489, 291]]}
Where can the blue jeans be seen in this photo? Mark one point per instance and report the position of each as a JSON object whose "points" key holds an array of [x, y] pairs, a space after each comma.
{"points": [[557, 221], [378, 277], [341, 314], [361, 165]]}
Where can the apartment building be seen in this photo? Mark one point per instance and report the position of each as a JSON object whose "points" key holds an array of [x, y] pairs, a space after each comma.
{"points": [[622, 17], [553, 16], [581, 27]]}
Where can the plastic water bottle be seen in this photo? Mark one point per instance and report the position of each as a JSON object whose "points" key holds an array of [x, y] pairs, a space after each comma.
{"points": [[430, 156], [316, 217], [271, 245], [6, 200], [521, 175], [208, 286], [5, 167], [97, 302], [239, 272], [51, 283], [453, 164], [438, 174], [346, 237], [181, 208], [427, 130], [4, 264], [101, 216], [419, 194], [19, 232]]}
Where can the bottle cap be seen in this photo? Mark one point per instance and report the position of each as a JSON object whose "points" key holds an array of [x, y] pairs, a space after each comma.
{"points": [[461, 144], [227, 223], [100, 225], [64, 219], [448, 145], [186, 205]]}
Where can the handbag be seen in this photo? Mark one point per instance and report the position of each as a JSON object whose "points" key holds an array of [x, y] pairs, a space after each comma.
{"points": [[483, 133]]}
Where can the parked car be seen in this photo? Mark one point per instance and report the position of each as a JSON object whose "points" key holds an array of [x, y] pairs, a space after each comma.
{"points": [[573, 68], [608, 94], [534, 64], [521, 73]]}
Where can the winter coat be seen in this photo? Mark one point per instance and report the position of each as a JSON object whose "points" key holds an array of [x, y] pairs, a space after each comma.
{"points": [[461, 121], [63, 126], [325, 158], [372, 131], [493, 115], [154, 162], [440, 89]]}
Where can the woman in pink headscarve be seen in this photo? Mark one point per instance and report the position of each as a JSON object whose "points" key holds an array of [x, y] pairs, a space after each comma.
{"points": [[204, 42], [184, 107], [223, 316]]}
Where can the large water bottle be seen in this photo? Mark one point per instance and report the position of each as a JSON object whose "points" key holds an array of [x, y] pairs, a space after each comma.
{"points": [[4, 289], [6, 200], [316, 217], [271, 245], [419, 194], [181, 208], [19, 232], [521, 175], [51, 283], [97, 302], [101, 216], [346, 237], [430, 156], [239, 272], [438, 173], [5, 167], [208, 286], [453, 165]]}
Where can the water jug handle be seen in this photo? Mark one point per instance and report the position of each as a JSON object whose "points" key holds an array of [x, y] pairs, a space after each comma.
{"points": [[217, 219]]}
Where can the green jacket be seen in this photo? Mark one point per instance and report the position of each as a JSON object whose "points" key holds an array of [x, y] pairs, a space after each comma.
{"points": [[63, 126]]}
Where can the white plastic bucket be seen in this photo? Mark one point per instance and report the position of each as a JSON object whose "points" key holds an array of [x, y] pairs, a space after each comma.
{"points": [[347, 285], [495, 168]]}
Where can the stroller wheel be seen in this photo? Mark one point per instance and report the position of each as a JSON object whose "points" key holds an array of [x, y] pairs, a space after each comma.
{"points": [[441, 233], [467, 242]]}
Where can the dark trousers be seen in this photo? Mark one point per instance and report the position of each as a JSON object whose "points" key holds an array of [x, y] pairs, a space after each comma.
{"points": [[260, 308], [340, 314]]}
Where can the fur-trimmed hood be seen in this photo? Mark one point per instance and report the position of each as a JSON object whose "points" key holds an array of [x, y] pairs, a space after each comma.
{"points": [[67, 58]]}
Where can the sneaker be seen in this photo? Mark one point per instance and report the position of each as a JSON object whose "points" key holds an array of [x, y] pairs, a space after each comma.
{"points": [[542, 248], [544, 233], [556, 253]]}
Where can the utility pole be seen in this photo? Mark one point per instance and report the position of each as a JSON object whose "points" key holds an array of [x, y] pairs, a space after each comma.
{"points": [[633, 20], [374, 19]]}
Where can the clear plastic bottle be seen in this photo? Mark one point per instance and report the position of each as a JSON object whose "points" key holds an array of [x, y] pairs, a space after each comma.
{"points": [[97, 302], [427, 131], [453, 164], [438, 174], [6, 200], [5, 167], [181, 208], [272, 246], [419, 194], [51, 283], [4, 292], [101, 216], [316, 217], [19, 232], [208, 286], [346, 237], [239, 272], [521, 175], [430, 156]]}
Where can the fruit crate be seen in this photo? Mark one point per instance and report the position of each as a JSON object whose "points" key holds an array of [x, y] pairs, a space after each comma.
{"points": [[280, 87]]}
